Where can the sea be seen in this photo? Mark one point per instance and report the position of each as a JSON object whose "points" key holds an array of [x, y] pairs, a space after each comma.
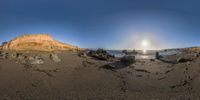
{"points": [[149, 54]]}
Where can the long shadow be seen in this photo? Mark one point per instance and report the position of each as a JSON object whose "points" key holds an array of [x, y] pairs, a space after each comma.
{"points": [[115, 65], [165, 61]]}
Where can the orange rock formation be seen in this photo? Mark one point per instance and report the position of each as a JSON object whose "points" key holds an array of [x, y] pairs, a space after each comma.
{"points": [[36, 42]]}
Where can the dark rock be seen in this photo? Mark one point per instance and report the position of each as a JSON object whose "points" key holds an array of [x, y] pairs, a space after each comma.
{"points": [[128, 60], [196, 55], [82, 54], [152, 60], [100, 54], [157, 56], [125, 52], [183, 59], [134, 52]]}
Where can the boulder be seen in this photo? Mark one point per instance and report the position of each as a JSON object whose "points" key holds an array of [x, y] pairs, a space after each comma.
{"points": [[128, 60], [55, 58]]}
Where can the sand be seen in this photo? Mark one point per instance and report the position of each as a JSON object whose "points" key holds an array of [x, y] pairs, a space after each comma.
{"points": [[77, 78]]}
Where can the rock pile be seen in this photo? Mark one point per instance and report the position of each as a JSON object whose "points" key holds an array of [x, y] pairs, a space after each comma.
{"points": [[35, 60], [27, 58], [100, 54], [22, 58]]}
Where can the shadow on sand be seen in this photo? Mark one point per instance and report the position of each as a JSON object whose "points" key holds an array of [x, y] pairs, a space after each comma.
{"points": [[115, 65]]}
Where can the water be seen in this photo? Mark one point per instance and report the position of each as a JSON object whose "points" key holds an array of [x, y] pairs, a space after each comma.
{"points": [[150, 54], [169, 52], [140, 55]]}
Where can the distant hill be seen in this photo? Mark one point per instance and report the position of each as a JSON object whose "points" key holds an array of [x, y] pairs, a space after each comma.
{"points": [[36, 42]]}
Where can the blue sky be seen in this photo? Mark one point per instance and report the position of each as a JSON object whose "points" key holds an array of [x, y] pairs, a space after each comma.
{"points": [[111, 24]]}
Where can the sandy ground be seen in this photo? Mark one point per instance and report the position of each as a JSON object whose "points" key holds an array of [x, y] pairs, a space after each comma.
{"points": [[77, 78]]}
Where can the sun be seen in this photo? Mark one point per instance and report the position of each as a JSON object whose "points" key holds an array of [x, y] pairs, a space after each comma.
{"points": [[145, 45]]}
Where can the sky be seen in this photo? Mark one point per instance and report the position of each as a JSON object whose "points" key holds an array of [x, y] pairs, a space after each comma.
{"points": [[109, 24]]}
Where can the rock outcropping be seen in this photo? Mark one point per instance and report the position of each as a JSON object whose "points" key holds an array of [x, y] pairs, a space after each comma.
{"points": [[36, 42]]}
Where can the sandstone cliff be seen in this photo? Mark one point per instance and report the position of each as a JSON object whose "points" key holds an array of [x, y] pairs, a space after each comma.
{"points": [[36, 42]]}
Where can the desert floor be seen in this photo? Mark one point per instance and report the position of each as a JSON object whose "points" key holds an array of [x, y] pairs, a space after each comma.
{"points": [[77, 78]]}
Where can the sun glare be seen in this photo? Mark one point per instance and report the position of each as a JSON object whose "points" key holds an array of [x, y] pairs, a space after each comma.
{"points": [[144, 51], [145, 44]]}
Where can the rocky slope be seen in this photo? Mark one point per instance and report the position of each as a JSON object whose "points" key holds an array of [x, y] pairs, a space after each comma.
{"points": [[36, 42]]}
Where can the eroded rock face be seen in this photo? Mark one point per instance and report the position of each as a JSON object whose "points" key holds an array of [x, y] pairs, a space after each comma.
{"points": [[37, 42]]}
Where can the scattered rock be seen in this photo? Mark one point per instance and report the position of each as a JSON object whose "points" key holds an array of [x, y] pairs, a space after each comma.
{"points": [[35, 60], [55, 58], [128, 60], [30, 59]]}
